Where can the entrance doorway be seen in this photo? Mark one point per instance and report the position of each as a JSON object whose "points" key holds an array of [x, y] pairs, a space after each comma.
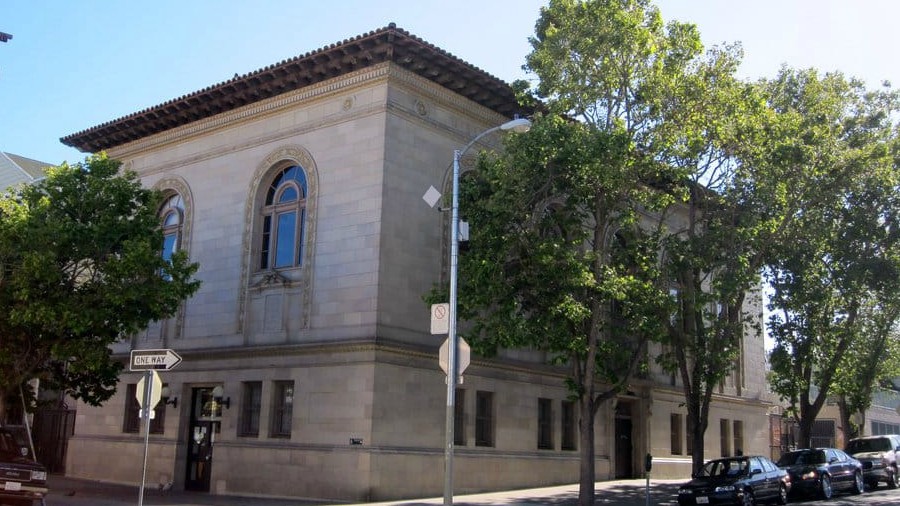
{"points": [[206, 415], [624, 442]]}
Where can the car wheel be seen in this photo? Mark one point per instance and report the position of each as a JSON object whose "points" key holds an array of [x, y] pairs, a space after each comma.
{"points": [[893, 479], [748, 499], [858, 484], [782, 494], [825, 491]]}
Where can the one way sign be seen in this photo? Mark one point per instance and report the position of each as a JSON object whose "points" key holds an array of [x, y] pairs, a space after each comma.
{"points": [[154, 360]]}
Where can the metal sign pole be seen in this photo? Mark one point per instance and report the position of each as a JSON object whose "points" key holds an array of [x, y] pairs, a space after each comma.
{"points": [[145, 413]]}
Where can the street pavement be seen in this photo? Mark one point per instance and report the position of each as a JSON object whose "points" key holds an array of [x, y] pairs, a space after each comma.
{"points": [[65, 491]]}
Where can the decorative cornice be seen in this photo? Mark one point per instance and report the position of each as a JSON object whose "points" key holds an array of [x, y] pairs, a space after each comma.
{"points": [[389, 44], [253, 111]]}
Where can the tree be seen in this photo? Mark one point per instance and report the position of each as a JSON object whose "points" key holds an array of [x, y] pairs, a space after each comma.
{"points": [[561, 258], [841, 262], [80, 269], [713, 254], [871, 361]]}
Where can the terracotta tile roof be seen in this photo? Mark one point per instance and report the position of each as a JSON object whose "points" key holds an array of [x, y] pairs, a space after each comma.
{"points": [[388, 44]]}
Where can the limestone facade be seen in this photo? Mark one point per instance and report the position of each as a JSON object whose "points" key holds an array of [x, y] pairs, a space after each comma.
{"points": [[328, 366]]}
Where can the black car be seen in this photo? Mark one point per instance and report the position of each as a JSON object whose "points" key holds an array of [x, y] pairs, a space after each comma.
{"points": [[742, 480], [821, 471], [22, 480]]}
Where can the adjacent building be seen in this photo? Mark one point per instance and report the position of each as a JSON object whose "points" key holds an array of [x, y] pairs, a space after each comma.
{"points": [[15, 169], [308, 365]]}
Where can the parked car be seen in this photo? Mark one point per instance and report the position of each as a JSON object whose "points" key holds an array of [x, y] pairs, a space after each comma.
{"points": [[22, 480], [821, 471], [878, 455], [742, 480]]}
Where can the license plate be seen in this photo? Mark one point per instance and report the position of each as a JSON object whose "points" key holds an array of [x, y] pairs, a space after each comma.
{"points": [[13, 486], [703, 500]]}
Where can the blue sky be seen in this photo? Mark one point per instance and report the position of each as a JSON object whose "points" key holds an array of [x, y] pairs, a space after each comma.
{"points": [[72, 65]]}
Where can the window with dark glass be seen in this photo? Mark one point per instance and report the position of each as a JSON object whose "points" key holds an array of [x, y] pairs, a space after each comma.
{"points": [[284, 220], [569, 426], [545, 424], [459, 418], [251, 402], [132, 416], [484, 418], [676, 434], [738, 434], [823, 433], [725, 436], [282, 408]]}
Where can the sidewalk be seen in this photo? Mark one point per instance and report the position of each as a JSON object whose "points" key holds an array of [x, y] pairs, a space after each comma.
{"points": [[65, 491]]}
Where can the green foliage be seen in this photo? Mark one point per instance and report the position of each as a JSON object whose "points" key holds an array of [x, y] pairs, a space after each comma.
{"points": [[80, 268], [836, 278], [541, 270]]}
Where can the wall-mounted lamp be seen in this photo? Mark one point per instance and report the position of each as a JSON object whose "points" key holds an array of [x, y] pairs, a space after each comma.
{"points": [[219, 396], [166, 397]]}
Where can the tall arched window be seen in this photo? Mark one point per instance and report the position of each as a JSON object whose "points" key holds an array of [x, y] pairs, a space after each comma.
{"points": [[284, 220], [172, 217]]}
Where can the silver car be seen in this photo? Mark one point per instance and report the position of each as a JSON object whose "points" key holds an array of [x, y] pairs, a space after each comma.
{"points": [[878, 455]]}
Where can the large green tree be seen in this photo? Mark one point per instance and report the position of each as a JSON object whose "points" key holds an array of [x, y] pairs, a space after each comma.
{"points": [[80, 268], [562, 257], [716, 239], [871, 361], [835, 278]]}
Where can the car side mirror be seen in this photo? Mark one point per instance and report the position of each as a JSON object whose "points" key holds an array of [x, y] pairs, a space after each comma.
{"points": [[755, 471]]}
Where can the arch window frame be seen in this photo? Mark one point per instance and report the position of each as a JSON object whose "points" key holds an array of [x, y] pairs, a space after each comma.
{"points": [[281, 217], [173, 206]]}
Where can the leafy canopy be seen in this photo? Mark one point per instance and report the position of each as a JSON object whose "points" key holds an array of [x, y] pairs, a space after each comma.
{"points": [[80, 268]]}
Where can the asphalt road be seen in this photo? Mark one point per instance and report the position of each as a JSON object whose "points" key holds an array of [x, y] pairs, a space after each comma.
{"points": [[73, 492]]}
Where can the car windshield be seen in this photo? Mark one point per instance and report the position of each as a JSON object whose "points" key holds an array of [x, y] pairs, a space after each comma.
{"points": [[869, 445], [8, 444], [800, 458], [725, 467]]}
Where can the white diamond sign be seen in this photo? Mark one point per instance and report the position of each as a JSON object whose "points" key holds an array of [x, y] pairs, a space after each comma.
{"points": [[432, 196]]}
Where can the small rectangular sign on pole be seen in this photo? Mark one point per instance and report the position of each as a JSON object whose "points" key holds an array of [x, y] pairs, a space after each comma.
{"points": [[440, 319]]}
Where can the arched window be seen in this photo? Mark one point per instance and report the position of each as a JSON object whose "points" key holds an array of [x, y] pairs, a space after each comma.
{"points": [[284, 220], [172, 217]]}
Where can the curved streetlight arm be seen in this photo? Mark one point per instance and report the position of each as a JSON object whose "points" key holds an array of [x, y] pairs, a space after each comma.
{"points": [[518, 125]]}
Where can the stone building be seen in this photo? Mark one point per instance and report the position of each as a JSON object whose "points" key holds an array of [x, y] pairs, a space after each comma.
{"points": [[308, 365]]}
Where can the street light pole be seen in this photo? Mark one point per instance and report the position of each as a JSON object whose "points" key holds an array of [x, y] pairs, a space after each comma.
{"points": [[515, 125]]}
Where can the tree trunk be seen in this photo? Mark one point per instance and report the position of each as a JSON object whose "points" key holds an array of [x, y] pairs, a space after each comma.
{"points": [[699, 416], [697, 449], [804, 439], [587, 468]]}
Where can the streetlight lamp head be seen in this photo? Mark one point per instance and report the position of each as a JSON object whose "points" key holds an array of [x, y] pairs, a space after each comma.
{"points": [[518, 125]]}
